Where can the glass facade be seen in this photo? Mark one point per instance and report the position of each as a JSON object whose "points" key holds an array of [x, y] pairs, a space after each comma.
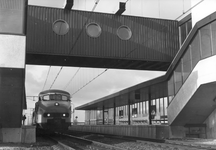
{"points": [[206, 48], [185, 30], [186, 64], [178, 77], [213, 35], [201, 46]]}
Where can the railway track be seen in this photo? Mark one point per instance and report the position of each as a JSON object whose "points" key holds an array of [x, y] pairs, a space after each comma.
{"points": [[83, 141], [69, 142]]}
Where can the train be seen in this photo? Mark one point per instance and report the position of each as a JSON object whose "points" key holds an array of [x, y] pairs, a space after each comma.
{"points": [[52, 110]]}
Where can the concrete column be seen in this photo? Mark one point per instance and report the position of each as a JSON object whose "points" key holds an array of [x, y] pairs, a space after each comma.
{"points": [[114, 113], [103, 116], [129, 112], [149, 100], [12, 68]]}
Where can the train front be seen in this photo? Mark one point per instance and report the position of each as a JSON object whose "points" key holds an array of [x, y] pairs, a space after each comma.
{"points": [[54, 110]]}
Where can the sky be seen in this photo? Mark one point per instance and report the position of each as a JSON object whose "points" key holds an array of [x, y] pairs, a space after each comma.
{"points": [[112, 80]]}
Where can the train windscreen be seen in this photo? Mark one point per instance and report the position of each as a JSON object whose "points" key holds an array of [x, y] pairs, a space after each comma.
{"points": [[55, 97]]}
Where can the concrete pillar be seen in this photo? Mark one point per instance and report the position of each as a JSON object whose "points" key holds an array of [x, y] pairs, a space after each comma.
{"points": [[149, 100], [114, 113], [103, 115], [129, 110], [12, 68]]}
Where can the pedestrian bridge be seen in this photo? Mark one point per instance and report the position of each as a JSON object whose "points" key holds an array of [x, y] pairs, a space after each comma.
{"points": [[89, 39]]}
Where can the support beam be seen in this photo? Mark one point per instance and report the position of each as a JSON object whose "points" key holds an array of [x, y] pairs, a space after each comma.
{"points": [[121, 8], [69, 4]]}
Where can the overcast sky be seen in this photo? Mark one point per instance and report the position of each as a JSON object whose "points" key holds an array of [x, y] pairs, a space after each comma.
{"points": [[112, 80]]}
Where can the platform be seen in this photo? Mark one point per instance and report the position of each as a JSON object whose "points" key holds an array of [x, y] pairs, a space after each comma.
{"points": [[143, 131]]}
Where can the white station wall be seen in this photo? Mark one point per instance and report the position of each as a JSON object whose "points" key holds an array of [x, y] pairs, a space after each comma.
{"points": [[203, 9]]}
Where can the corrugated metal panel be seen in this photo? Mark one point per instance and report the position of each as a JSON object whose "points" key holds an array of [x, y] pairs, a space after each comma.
{"points": [[152, 39]]}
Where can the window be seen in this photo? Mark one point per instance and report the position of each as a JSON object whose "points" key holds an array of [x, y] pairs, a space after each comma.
{"points": [[186, 61], [178, 77], [64, 98], [171, 88], [185, 29], [60, 27], [189, 26], [124, 32], [205, 41], [121, 114], [55, 97], [137, 94], [46, 97], [213, 28], [183, 32], [93, 30], [134, 112], [195, 50]]}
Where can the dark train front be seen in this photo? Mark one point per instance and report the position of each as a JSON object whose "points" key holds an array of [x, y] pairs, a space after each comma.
{"points": [[53, 110]]}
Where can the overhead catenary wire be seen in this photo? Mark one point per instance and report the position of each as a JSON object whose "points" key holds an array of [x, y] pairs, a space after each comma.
{"points": [[46, 78], [72, 78], [72, 48], [56, 77], [89, 82], [101, 73]]}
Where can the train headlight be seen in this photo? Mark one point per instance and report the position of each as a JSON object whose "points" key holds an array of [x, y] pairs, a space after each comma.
{"points": [[64, 115], [47, 115], [56, 104]]}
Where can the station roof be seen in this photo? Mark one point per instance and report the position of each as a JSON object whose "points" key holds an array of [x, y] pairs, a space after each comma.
{"points": [[157, 87]]}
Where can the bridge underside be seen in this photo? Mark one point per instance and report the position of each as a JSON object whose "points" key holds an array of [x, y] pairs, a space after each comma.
{"points": [[57, 60]]}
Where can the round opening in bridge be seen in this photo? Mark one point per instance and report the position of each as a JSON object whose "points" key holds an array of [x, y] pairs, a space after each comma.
{"points": [[93, 30], [60, 27], [124, 32]]}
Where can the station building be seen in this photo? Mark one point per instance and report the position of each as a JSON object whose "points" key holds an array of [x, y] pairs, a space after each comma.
{"points": [[180, 103]]}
